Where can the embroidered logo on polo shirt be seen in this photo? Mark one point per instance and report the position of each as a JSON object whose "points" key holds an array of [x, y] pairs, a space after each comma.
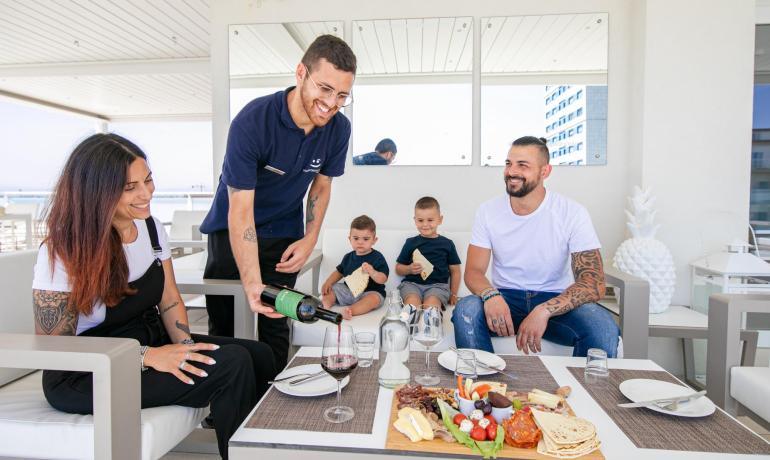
{"points": [[314, 166]]}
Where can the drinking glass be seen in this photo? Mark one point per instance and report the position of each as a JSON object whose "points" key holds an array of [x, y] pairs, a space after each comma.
{"points": [[465, 365], [338, 358], [596, 363], [428, 331], [365, 348]]}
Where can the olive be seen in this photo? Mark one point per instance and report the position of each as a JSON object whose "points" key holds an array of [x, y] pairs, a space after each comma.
{"points": [[479, 404], [487, 409]]}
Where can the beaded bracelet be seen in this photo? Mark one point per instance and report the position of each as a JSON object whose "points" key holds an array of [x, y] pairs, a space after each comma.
{"points": [[490, 295], [142, 352], [486, 291]]}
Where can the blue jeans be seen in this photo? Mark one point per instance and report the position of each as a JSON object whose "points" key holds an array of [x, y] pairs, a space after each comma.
{"points": [[587, 326]]}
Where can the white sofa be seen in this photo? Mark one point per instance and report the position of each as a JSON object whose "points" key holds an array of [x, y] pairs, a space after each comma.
{"points": [[335, 245], [31, 428]]}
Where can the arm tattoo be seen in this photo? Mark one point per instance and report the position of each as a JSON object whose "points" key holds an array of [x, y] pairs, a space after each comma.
{"points": [[588, 287], [169, 307], [311, 200], [250, 235], [183, 327], [52, 317]]}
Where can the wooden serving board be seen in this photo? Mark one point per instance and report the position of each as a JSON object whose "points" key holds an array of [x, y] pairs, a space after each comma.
{"points": [[398, 441]]}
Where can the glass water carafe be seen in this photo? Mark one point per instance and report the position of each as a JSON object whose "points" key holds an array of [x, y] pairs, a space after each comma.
{"points": [[394, 346]]}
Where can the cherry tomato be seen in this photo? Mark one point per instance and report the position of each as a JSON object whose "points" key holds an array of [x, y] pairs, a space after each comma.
{"points": [[491, 419], [458, 418], [478, 433], [491, 431]]}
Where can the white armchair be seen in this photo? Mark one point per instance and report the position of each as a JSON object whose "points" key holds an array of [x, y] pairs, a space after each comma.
{"points": [[737, 389], [31, 428]]}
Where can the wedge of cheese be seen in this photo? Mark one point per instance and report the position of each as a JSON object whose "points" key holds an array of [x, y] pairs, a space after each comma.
{"points": [[405, 427], [427, 267], [357, 281], [417, 421]]}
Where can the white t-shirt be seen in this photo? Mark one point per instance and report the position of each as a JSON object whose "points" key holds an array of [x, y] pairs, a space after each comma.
{"points": [[139, 256], [533, 252]]}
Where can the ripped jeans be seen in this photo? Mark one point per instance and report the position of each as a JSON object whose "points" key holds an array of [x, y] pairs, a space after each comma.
{"points": [[587, 326]]}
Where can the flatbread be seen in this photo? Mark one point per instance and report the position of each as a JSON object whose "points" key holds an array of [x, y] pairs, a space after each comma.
{"points": [[427, 267], [565, 436], [357, 281], [564, 429]]}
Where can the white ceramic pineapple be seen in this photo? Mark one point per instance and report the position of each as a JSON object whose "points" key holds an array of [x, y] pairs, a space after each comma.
{"points": [[643, 255]]}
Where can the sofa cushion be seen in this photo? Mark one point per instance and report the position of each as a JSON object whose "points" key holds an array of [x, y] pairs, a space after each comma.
{"points": [[31, 428], [335, 245], [749, 386]]}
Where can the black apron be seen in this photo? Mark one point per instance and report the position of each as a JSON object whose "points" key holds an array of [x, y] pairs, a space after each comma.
{"points": [[134, 317]]}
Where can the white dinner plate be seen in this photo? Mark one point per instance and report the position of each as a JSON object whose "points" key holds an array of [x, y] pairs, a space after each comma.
{"points": [[316, 387], [647, 389], [448, 359]]}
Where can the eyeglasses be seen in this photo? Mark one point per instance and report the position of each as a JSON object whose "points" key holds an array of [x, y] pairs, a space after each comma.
{"points": [[340, 99]]}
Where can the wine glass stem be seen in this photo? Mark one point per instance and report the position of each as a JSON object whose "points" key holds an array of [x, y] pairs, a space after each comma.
{"points": [[339, 392], [427, 361]]}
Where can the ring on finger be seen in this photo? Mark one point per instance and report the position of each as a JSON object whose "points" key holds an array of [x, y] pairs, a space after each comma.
{"points": [[182, 365], [187, 356]]}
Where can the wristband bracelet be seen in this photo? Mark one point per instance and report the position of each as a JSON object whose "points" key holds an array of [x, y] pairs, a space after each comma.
{"points": [[486, 291], [188, 341], [142, 352], [490, 295]]}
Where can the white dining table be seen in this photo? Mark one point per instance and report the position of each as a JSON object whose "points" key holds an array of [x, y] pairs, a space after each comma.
{"points": [[250, 443]]}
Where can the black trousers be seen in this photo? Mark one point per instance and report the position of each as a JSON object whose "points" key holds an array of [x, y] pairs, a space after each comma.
{"points": [[234, 385], [221, 265]]}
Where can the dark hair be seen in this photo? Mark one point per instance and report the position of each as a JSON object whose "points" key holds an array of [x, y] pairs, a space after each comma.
{"points": [[427, 202], [540, 142], [334, 50], [386, 145], [363, 223], [80, 231]]}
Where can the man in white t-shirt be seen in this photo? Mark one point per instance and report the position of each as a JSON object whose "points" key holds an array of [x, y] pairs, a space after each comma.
{"points": [[547, 270]]}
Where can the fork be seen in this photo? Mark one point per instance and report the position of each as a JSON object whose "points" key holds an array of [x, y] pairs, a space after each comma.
{"points": [[288, 377]]}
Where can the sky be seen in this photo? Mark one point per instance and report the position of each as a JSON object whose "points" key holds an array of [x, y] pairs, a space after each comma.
{"points": [[761, 106]]}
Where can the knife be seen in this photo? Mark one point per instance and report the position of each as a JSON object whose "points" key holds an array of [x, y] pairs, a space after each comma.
{"points": [[307, 378], [678, 399]]}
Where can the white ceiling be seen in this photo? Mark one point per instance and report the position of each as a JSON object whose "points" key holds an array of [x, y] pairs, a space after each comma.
{"points": [[273, 49], [557, 43], [61, 52]]}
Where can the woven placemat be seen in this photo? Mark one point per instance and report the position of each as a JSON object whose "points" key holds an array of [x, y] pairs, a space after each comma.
{"points": [[648, 429], [530, 371], [283, 412]]}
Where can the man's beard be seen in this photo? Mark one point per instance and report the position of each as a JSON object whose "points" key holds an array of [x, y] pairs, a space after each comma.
{"points": [[524, 188], [308, 103]]}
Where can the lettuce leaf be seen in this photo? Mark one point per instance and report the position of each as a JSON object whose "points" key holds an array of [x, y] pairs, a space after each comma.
{"points": [[487, 449]]}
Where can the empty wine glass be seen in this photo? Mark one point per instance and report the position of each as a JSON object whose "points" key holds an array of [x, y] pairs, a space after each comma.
{"points": [[339, 358], [428, 330]]}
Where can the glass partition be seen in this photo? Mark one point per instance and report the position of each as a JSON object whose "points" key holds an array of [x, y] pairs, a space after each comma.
{"points": [[545, 76]]}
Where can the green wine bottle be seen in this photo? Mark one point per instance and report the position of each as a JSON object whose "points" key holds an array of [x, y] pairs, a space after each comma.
{"points": [[297, 305]]}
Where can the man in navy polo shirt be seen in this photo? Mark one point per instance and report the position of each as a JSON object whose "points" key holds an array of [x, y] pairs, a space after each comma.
{"points": [[277, 147]]}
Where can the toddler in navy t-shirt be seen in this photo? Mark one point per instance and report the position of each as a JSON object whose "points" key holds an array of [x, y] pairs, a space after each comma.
{"points": [[363, 235], [436, 282]]}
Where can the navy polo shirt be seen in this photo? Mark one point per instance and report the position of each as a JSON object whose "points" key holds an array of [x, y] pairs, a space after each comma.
{"points": [[371, 158], [352, 261], [439, 251], [268, 153]]}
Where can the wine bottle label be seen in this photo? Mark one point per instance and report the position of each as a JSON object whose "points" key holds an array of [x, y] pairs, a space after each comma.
{"points": [[286, 303]]}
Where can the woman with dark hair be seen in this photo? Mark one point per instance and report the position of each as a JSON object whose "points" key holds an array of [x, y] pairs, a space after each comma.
{"points": [[105, 270]]}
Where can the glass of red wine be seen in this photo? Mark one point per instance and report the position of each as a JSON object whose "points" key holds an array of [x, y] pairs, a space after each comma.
{"points": [[339, 358]]}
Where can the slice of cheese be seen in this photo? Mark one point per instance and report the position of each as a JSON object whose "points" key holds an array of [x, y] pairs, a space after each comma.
{"points": [[419, 422], [427, 267], [357, 281], [405, 427]]}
